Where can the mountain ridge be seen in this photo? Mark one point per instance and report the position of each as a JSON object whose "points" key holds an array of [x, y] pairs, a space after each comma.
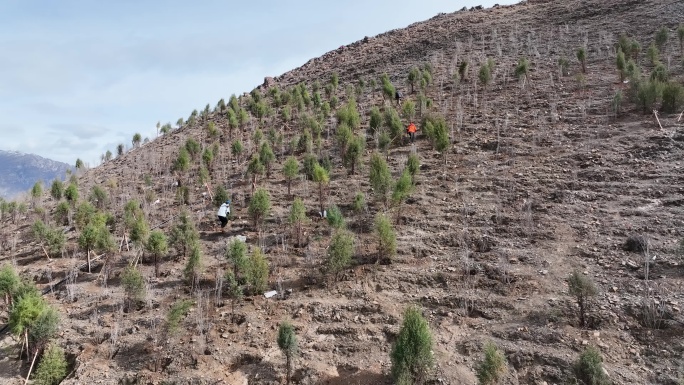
{"points": [[19, 171]]}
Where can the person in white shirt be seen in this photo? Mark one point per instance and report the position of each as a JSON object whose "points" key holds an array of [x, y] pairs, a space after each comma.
{"points": [[223, 213]]}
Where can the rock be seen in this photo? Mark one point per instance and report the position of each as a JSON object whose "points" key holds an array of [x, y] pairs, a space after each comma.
{"points": [[268, 82], [224, 335]]}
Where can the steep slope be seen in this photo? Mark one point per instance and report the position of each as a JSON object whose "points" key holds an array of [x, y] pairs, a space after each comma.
{"points": [[542, 178], [19, 172]]}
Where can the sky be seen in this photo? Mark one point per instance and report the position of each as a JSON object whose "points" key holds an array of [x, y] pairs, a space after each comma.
{"points": [[79, 77]]}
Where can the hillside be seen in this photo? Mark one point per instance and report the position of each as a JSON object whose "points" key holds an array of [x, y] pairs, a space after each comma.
{"points": [[19, 172], [542, 175]]}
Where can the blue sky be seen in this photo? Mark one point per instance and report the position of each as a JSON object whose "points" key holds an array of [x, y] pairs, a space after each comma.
{"points": [[79, 77]]}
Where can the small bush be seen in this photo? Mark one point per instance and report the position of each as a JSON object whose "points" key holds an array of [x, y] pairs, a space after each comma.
{"points": [[335, 217], [582, 57], [492, 367], [589, 369], [257, 272], [583, 289], [176, 313], [52, 367], [340, 252], [133, 284], [387, 238], [411, 356], [359, 203], [673, 97]]}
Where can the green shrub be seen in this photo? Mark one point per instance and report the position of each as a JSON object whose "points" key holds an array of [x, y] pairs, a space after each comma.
{"points": [[379, 177], [176, 313], [9, 283], [661, 38], [387, 238], [522, 69], [287, 342], [582, 57], [133, 284], [393, 123], [411, 355], [659, 73], [183, 233], [321, 176], [359, 203], [52, 367], [220, 195], [71, 193], [484, 75], [290, 171], [375, 121], [355, 149], [335, 217], [388, 89], [492, 367], [589, 368], [157, 245], [57, 189], [236, 149], [413, 166], [297, 218], [62, 213], [257, 272], [259, 206], [340, 252], [402, 189], [194, 267], [583, 289], [648, 93], [673, 97], [653, 54], [267, 157]]}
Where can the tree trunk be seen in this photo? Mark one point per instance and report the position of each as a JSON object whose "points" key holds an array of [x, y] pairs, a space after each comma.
{"points": [[289, 368], [88, 256], [156, 265], [289, 183], [320, 196]]}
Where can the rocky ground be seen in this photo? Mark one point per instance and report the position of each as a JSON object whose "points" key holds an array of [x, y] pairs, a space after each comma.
{"points": [[542, 178]]}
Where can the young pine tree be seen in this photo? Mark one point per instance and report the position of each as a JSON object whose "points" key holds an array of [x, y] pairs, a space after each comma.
{"points": [[52, 367], [257, 272], [259, 207], [157, 245], [492, 367], [411, 355], [582, 57], [583, 289], [290, 171], [194, 267], [340, 252], [589, 368], [287, 342], [321, 176], [387, 238], [134, 286], [183, 234], [380, 177], [297, 218]]}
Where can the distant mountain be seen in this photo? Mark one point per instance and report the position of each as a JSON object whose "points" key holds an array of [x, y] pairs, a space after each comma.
{"points": [[19, 172]]}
